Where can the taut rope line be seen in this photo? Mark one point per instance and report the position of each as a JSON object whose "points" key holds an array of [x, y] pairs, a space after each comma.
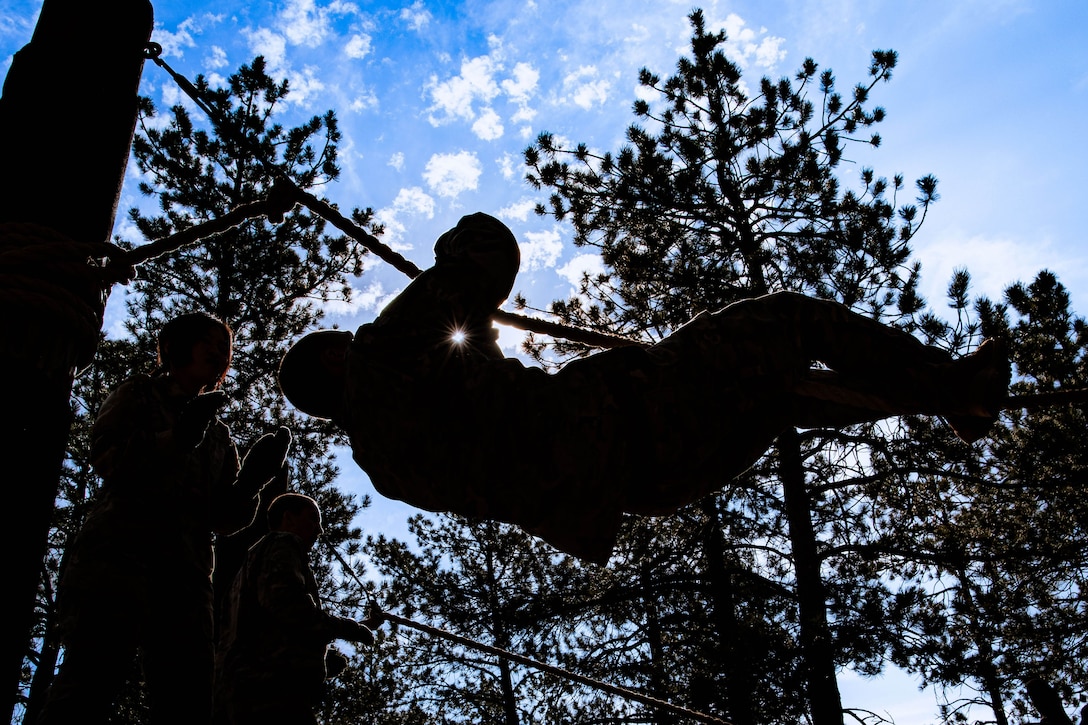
{"points": [[623, 692], [285, 194], [287, 189], [611, 689]]}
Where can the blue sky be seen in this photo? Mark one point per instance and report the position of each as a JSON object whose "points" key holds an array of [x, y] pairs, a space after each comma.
{"points": [[437, 100]]}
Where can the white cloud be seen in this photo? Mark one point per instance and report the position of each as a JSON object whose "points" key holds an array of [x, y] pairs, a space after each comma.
{"points": [[519, 210], [454, 98], [769, 53], [416, 17], [746, 46], [584, 87], [451, 174], [366, 300], [364, 101], [299, 23], [358, 46], [478, 85], [592, 94], [509, 165], [216, 58], [488, 126], [414, 200], [409, 202], [520, 89], [573, 270], [397, 161], [523, 81], [304, 85], [272, 45], [303, 23], [174, 43], [524, 115], [540, 250]]}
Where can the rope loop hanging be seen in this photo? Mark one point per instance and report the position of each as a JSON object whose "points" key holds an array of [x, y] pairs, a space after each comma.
{"points": [[54, 290]]}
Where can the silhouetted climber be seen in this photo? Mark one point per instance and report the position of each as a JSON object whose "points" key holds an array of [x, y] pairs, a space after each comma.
{"points": [[440, 419], [139, 576]]}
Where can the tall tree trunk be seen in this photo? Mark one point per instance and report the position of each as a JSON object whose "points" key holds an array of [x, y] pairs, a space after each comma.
{"points": [[816, 647], [738, 682], [83, 58], [501, 635], [987, 671], [653, 638]]}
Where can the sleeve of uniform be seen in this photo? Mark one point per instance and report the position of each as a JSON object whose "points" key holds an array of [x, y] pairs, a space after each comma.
{"points": [[124, 439], [283, 591]]}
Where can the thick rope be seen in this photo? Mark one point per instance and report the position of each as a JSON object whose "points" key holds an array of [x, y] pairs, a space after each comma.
{"points": [[821, 390], [289, 189], [1034, 401], [274, 206], [285, 193], [53, 290]]}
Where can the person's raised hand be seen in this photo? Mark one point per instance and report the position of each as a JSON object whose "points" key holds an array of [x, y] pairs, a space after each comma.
{"points": [[265, 459]]}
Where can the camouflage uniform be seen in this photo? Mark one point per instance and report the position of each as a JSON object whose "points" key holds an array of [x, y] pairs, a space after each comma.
{"points": [[271, 653], [644, 430], [138, 577]]}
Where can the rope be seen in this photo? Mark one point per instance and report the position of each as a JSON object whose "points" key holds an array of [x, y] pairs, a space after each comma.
{"points": [[289, 190], [54, 292], [1034, 401], [611, 689], [276, 205]]}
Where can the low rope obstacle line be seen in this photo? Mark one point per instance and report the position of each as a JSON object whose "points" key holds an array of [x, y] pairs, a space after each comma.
{"points": [[611, 689], [552, 669]]}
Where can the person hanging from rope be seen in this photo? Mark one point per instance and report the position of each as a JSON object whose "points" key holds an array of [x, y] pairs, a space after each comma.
{"points": [[139, 574], [439, 418], [273, 656]]}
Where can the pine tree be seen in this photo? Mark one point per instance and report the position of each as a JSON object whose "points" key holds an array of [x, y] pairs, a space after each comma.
{"points": [[718, 196], [493, 584], [1000, 526]]}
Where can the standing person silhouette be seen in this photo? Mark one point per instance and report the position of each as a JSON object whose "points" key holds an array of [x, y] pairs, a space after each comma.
{"points": [[273, 653], [138, 579], [439, 418]]}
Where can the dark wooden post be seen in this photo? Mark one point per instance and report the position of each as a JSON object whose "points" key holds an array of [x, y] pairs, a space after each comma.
{"points": [[67, 115]]}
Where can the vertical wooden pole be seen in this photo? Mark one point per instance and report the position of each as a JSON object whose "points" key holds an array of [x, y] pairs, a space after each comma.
{"points": [[67, 115]]}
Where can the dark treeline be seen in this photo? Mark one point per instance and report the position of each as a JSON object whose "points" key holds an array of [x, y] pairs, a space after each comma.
{"points": [[879, 545]]}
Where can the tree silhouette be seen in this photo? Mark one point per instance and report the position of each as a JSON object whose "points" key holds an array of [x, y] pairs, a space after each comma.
{"points": [[720, 195]]}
